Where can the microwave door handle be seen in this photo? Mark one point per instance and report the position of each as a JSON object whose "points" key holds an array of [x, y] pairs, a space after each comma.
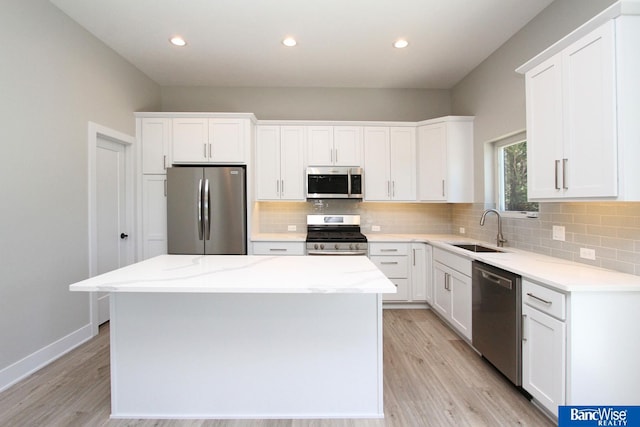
{"points": [[348, 181]]}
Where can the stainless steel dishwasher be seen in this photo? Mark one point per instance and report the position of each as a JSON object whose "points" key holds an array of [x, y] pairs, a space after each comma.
{"points": [[496, 318]]}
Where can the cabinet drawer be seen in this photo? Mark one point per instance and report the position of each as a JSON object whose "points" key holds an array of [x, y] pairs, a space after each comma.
{"points": [[392, 266], [402, 285], [544, 299], [278, 248], [457, 262], [388, 248]]}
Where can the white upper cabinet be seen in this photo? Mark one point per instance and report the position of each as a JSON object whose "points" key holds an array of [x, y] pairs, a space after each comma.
{"points": [[445, 160], [334, 145], [390, 166], [280, 163], [213, 140], [155, 138], [582, 107]]}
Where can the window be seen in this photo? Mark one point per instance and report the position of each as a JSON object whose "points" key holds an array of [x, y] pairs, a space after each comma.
{"points": [[511, 162]]}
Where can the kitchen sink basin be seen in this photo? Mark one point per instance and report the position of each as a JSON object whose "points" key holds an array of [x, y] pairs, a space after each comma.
{"points": [[475, 248]]}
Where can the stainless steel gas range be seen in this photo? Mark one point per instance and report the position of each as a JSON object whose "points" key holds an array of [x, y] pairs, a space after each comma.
{"points": [[335, 235]]}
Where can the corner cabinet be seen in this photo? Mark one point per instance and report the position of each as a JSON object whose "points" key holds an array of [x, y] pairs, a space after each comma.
{"points": [[445, 160], [406, 265], [389, 163], [209, 140], [583, 98], [280, 163]]}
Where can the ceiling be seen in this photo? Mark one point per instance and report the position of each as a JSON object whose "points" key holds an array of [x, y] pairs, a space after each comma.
{"points": [[341, 43]]}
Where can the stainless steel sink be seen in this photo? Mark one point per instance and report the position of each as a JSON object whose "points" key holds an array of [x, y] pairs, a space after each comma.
{"points": [[474, 248]]}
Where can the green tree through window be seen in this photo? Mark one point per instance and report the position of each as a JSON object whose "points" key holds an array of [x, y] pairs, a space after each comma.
{"points": [[513, 177]]}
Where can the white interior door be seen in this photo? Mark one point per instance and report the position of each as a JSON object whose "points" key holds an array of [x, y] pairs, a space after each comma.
{"points": [[112, 233]]}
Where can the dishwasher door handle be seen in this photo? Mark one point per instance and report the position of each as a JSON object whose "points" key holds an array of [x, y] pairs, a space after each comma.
{"points": [[498, 280]]}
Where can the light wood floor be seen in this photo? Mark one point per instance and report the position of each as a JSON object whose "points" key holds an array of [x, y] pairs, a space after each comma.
{"points": [[431, 378]]}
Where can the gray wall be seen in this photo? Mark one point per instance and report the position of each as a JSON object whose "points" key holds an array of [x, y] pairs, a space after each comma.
{"points": [[312, 103], [54, 78], [494, 93]]}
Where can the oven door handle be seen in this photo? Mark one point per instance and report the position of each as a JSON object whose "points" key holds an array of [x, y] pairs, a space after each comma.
{"points": [[352, 253]]}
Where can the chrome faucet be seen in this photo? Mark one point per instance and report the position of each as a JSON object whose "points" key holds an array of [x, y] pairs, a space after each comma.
{"points": [[499, 238]]}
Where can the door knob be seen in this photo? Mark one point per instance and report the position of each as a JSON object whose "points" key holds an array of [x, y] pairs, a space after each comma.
{"points": [[123, 235]]}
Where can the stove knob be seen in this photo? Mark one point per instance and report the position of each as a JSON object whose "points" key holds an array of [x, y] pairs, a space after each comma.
{"points": [[315, 246], [321, 245], [336, 246], [351, 246]]}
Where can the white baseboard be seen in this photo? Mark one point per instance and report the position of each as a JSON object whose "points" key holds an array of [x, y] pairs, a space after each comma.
{"points": [[39, 359]]}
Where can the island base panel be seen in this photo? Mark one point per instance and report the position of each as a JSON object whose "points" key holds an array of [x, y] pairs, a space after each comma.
{"points": [[246, 355]]}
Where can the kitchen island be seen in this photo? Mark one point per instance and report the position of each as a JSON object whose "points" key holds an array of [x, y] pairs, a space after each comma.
{"points": [[245, 337]]}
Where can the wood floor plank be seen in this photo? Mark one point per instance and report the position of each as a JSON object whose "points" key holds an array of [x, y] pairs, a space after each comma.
{"points": [[431, 378]]}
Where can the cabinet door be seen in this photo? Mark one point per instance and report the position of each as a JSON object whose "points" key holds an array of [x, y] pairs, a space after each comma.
{"points": [[441, 289], [227, 140], [460, 286], [402, 149], [419, 278], [376, 164], [154, 215], [590, 155], [432, 162], [268, 163], [347, 143], [544, 129], [190, 140], [402, 291], [320, 145], [543, 358], [155, 145], [292, 184]]}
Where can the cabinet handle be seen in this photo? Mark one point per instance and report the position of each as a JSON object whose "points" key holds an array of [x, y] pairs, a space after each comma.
{"points": [[544, 301], [278, 187], [164, 162], [443, 188], [336, 155], [282, 186], [205, 150], [389, 262], [393, 189], [557, 164], [210, 154], [564, 174], [414, 257], [446, 281], [524, 319], [277, 249], [389, 250], [389, 189], [165, 188]]}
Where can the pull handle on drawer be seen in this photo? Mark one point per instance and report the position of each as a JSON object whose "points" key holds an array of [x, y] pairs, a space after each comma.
{"points": [[544, 301]]}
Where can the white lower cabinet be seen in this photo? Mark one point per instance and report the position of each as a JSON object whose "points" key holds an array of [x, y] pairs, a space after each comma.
{"points": [[154, 215], [544, 338], [405, 264], [278, 248], [452, 290]]}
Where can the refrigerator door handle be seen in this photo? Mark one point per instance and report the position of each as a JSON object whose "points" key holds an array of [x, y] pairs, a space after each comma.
{"points": [[200, 210], [207, 210]]}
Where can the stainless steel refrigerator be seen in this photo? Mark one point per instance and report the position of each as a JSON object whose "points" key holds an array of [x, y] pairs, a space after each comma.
{"points": [[207, 210]]}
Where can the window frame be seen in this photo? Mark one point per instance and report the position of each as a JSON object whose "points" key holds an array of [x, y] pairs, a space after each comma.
{"points": [[498, 181]]}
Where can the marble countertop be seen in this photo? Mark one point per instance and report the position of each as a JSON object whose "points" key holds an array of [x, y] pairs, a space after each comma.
{"points": [[243, 274]]}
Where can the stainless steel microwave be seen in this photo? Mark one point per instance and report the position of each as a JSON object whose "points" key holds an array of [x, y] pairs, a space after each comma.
{"points": [[334, 183]]}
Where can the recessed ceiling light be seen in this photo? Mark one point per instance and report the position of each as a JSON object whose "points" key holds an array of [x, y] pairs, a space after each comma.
{"points": [[177, 41], [400, 44], [289, 42]]}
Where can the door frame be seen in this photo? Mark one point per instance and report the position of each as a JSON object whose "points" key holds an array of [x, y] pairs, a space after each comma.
{"points": [[96, 131]]}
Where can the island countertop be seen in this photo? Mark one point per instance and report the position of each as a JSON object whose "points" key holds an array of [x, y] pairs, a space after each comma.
{"points": [[243, 274]]}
